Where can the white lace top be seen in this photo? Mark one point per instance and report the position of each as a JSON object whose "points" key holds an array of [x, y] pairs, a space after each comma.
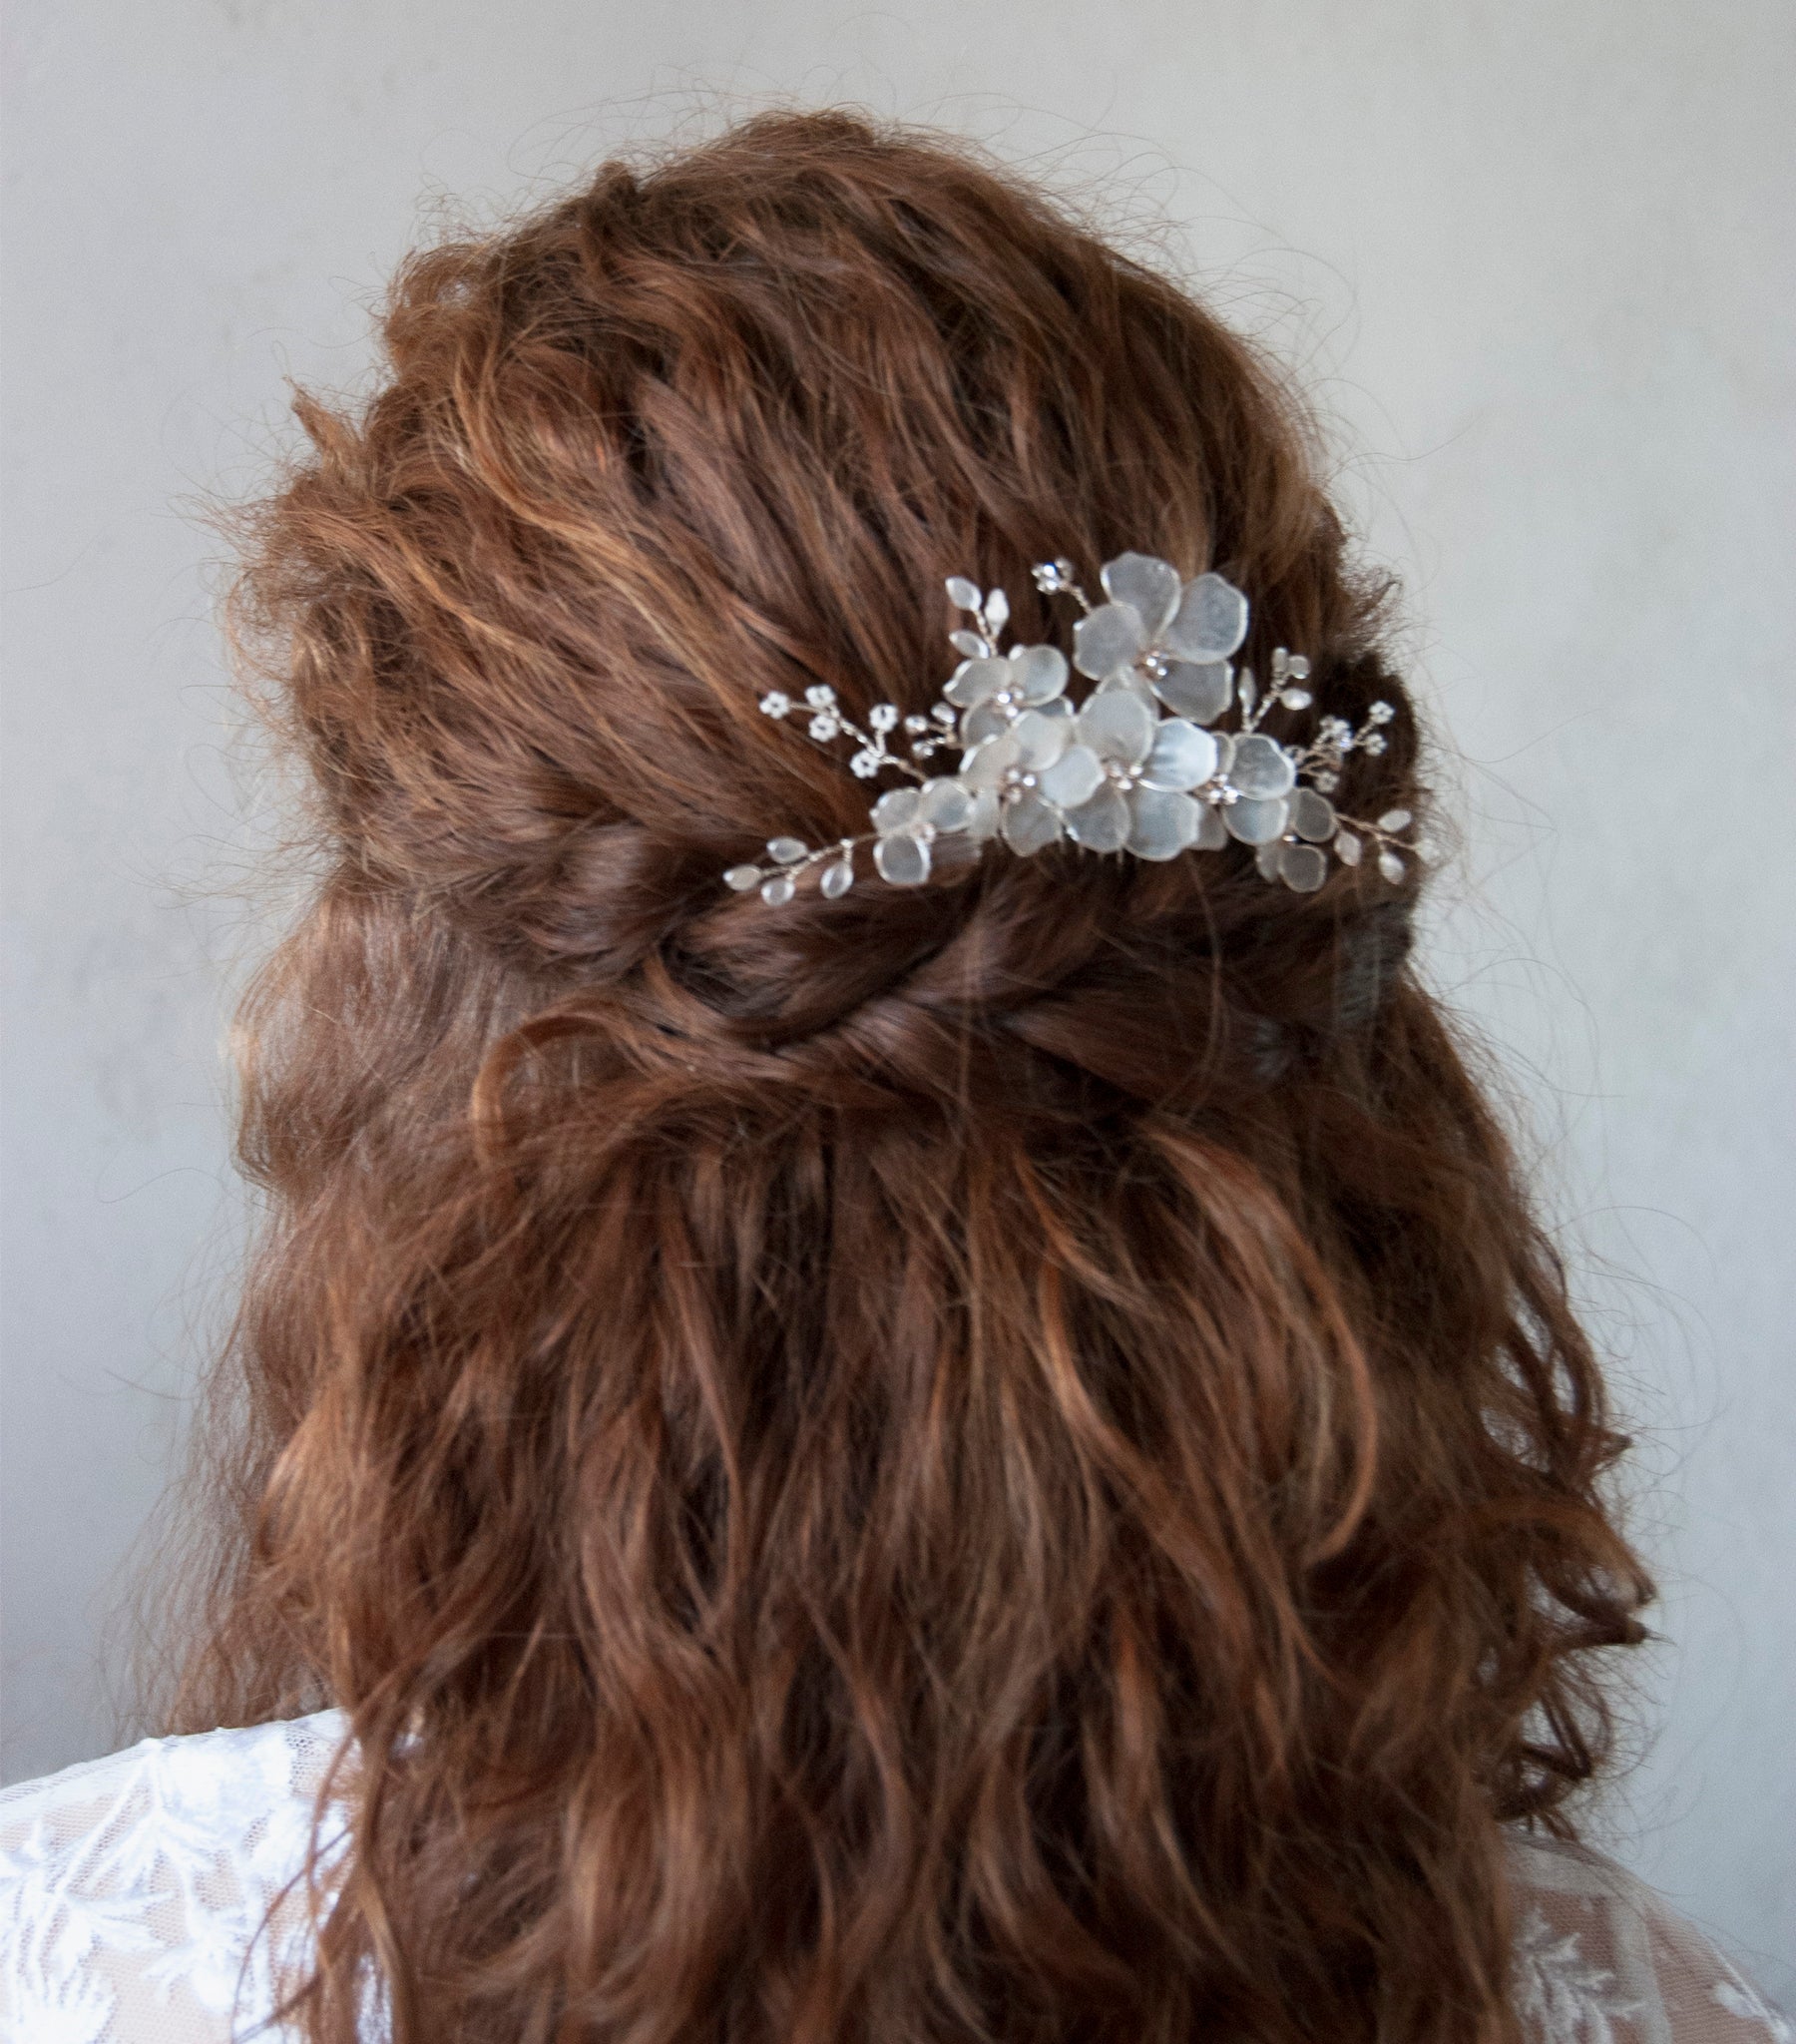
{"points": [[133, 1891]]}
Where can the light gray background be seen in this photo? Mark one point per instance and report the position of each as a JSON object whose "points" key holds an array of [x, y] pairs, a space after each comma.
{"points": [[1534, 258]]}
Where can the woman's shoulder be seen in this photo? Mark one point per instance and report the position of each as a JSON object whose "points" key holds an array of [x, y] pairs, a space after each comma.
{"points": [[1600, 1958], [141, 1894], [284, 1755]]}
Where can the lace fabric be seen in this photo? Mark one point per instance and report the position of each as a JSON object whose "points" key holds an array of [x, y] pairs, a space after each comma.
{"points": [[148, 1897], [151, 1898], [1600, 1959]]}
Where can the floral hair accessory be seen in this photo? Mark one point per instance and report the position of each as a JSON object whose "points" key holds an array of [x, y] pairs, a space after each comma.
{"points": [[1143, 764]]}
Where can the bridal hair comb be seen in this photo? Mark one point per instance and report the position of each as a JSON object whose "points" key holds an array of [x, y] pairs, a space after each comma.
{"points": [[1141, 765]]}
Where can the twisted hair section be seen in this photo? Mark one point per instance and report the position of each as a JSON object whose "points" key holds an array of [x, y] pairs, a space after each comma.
{"points": [[1000, 1461]]}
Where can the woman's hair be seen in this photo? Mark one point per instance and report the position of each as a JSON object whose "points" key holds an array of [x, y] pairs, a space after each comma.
{"points": [[998, 1461]]}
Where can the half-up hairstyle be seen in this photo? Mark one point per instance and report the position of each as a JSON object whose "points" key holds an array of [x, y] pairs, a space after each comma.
{"points": [[994, 1461]]}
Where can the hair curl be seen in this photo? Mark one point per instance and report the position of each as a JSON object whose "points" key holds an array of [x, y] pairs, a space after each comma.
{"points": [[1004, 1461]]}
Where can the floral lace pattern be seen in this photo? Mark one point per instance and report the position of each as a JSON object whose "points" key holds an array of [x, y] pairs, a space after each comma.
{"points": [[145, 1900], [1561, 1996], [1600, 1959], [135, 1891]]}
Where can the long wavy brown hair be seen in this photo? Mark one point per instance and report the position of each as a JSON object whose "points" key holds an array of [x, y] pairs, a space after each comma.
{"points": [[999, 1461]]}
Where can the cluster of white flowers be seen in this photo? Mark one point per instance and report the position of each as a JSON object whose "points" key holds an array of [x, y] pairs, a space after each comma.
{"points": [[1139, 767]]}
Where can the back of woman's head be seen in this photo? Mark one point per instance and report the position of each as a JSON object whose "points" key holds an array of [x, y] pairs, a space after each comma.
{"points": [[1000, 1459]]}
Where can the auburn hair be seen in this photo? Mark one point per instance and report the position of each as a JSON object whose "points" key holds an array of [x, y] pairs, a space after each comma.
{"points": [[1004, 1460]]}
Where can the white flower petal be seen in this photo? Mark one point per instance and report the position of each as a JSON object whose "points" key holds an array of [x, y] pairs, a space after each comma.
{"points": [[1183, 756], [786, 849], [1148, 586], [743, 878], [1116, 725], [1199, 693], [1072, 779], [1257, 822], [1132, 682], [984, 721], [1039, 672], [945, 805], [1213, 833], [986, 815], [1040, 740], [777, 891], [896, 809], [987, 764], [1212, 620], [1302, 867], [902, 859], [1312, 817], [974, 680], [1102, 824], [1029, 825], [1161, 823], [1262, 768], [837, 879], [964, 595], [1108, 641]]}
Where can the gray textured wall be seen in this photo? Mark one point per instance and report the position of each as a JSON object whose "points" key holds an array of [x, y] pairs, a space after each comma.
{"points": [[1537, 259]]}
